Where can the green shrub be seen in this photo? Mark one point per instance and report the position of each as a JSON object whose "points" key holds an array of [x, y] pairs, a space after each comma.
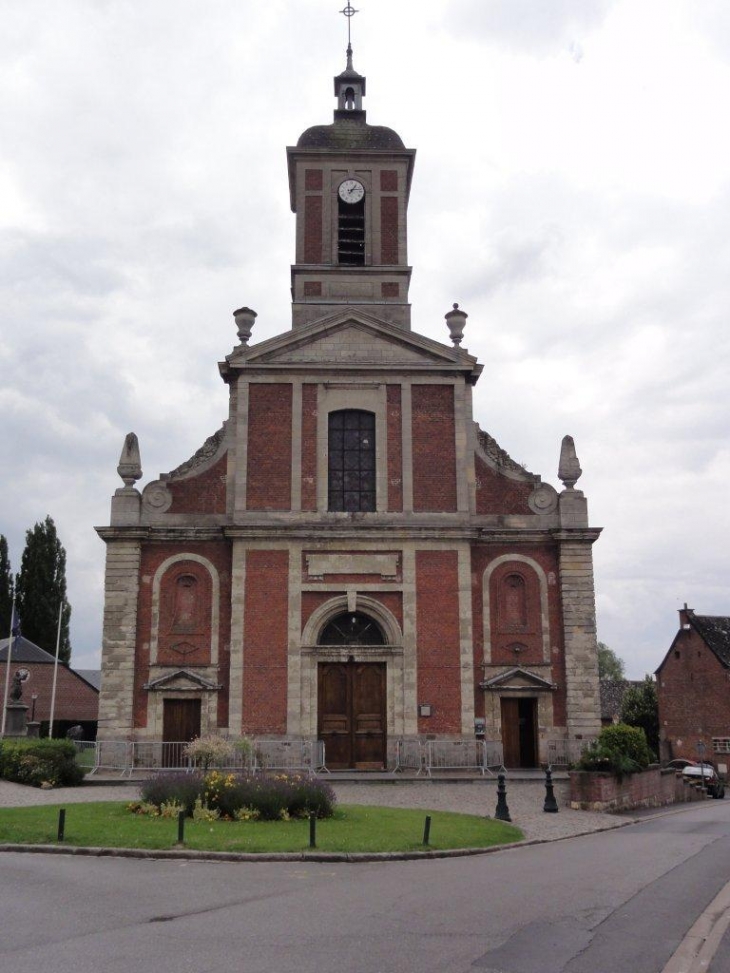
{"points": [[619, 749], [179, 788], [36, 762]]}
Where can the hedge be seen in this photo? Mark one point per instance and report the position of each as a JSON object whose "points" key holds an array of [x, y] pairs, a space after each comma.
{"points": [[37, 762]]}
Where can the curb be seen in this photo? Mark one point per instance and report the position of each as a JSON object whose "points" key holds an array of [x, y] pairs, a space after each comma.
{"points": [[324, 857]]}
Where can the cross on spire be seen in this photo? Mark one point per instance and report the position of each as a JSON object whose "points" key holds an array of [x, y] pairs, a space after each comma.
{"points": [[349, 12]]}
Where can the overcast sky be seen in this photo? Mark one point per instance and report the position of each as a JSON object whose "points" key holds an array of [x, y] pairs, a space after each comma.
{"points": [[571, 192]]}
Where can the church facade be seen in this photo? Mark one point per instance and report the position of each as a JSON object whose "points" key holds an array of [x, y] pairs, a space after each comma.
{"points": [[350, 557]]}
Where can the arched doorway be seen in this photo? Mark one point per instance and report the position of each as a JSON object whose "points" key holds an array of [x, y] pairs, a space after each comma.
{"points": [[351, 696]]}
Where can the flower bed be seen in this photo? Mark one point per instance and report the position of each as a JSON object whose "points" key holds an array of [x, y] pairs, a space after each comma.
{"points": [[215, 794]]}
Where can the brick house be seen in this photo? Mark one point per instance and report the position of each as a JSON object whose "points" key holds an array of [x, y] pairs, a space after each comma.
{"points": [[693, 689], [77, 699], [350, 557]]}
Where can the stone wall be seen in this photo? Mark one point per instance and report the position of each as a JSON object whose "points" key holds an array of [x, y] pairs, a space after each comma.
{"points": [[592, 791]]}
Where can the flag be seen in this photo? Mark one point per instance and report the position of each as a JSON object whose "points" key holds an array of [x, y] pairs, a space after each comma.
{"points": [[15, 624]]}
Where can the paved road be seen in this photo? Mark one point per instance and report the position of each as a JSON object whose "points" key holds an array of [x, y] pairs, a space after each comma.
{"points": [[617, 901]]}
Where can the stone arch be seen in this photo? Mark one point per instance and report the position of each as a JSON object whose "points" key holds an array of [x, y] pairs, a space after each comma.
{"points": [[215, 601], [486, 601], [309, 654], [346, 602]]}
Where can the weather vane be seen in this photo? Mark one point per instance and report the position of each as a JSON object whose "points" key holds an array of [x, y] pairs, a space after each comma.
{"points": [[349, 11]]}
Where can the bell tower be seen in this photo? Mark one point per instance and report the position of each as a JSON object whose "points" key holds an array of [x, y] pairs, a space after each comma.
{"points": [[349, 184]]}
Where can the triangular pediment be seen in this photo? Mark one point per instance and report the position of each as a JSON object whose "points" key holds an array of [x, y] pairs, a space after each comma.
{"points": [[349, 338], [181, 680], [517, 679]]}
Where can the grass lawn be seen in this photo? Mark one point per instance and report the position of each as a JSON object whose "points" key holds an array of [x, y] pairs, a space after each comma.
{"points": [[353, 828]]}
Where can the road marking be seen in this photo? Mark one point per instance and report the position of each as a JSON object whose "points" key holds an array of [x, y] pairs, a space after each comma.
{"points": [[698, 947]]}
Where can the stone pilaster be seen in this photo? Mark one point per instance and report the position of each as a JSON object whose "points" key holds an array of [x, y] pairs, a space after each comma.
{"points": [[466, 642], [579, 634], [238, 589], [121, 588]]}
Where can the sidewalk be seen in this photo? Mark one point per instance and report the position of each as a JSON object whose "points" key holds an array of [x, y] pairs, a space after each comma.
{"points": [[478, 796]]}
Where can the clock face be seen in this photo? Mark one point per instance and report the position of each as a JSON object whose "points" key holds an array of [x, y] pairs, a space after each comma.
{"points": [[351, 191]]}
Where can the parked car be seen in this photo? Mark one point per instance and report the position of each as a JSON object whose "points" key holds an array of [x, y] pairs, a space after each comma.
{"points": [[709, 776], [679, 763]]}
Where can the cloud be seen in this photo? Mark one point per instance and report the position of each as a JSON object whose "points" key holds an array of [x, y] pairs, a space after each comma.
{"points": [[577, 215], [530, 27]]}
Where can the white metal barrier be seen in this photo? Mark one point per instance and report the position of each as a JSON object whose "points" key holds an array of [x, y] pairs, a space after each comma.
{"points": [[455, 755], [124, 757], [113, 756], [493, 756], [409, 755], [562, 753], [427, 756], [298, 756]]}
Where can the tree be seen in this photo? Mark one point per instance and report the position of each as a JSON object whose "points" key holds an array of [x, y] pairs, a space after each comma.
{"points": [[41, 589], [639, 707], [609, 664], [6, 589]]}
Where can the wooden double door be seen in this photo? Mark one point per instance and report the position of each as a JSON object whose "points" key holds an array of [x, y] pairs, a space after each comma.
{"points": [[519, 732], [351, 714]]}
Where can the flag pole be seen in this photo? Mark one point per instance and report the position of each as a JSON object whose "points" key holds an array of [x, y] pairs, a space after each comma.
{"points": [[7, 666], [55, 669]]}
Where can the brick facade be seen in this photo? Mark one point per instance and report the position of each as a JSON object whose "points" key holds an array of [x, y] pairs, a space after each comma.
{"points": [[693, 692], [223, 575], [265, 642], [76, 700], [309, 447], [434, 448], [389, 229], [269, 447], [313, 230], [497, 494], [395, 449], [437, 631], [202, 494]]}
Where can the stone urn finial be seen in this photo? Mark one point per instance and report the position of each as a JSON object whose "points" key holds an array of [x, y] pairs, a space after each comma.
{"points": [[245, 319], [569, 470], [130, 466], [456, 321]]}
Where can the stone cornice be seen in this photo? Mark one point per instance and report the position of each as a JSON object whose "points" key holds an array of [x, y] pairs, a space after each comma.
{"points": [[382, 532], [159, 533]]}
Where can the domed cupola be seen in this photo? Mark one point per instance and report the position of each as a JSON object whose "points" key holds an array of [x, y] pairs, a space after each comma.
{"points": [[350, 129]]}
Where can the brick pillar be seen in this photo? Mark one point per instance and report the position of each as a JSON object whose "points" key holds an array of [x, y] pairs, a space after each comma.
{"points": [[121, 587], [579, 634]]}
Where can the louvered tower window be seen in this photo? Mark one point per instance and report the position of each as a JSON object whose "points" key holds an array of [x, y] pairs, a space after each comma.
{"points": [[351, 233]]}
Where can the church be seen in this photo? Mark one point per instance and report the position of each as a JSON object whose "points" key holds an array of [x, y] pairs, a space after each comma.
{"points": [[351, 558]]}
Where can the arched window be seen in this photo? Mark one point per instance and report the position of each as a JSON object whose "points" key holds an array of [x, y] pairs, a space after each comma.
{"points": [[351, 473], [352, 628]]}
